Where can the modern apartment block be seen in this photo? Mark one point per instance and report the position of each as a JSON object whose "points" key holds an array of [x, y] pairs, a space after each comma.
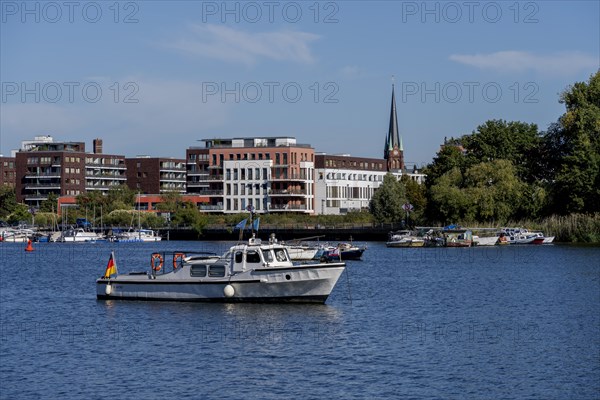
{"points": [[155, 175], [53, 167], [104, 171], [269, 174], [345, 183], [8, 171], [65, 169]]}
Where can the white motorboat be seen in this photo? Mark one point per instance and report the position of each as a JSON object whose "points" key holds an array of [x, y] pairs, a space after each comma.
{"points": [[485, 240], [249, 272], [78, 235], [16, 235], [138, 235], [404, 239]]}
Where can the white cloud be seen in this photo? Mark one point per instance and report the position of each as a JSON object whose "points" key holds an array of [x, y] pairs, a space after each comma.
{"points": [[228, 44], [350, 71], [564, 63]]}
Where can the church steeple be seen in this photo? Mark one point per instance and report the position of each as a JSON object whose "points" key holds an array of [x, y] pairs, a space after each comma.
{"points": [[393, 152]]}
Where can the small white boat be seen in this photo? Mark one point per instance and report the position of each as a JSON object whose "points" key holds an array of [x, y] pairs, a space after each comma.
{"points": [[78, 235], [302, 252], [485, 240], [16, 235], [404, 239], [138, 235], [249, 272]]}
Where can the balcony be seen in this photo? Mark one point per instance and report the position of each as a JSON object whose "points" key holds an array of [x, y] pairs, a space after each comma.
{"points": [[47, 186], [289, 208], [197, 184], [210, 207], [209, 193], [45, 175], [291, 177], [286, 192]]}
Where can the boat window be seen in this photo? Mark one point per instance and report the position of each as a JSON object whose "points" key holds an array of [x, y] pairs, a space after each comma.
{"points": [[238, 257], [252, 257], [267, 255], [216, 271], [198, 271], [280, 255]]}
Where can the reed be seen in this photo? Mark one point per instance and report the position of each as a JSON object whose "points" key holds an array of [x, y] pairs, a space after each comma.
{"points": [[573, 228]]}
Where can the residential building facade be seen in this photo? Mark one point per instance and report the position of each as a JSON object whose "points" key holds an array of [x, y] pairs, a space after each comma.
{"points": [[8, 171], [155, 175], [269, 174]]}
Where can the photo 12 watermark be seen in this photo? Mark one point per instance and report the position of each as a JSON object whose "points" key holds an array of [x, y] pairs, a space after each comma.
{"points": [[69, 92], [253, 12], [46, 332], [52, 12], [454, 12], [492, 332], [469, 92], [270, 92]]}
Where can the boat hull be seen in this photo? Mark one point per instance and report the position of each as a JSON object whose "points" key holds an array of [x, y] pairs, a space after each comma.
{"points": [[276, 285], [406, 243]]}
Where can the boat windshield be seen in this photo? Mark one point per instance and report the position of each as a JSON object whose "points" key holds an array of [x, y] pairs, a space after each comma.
{"points": [[267, 255]]}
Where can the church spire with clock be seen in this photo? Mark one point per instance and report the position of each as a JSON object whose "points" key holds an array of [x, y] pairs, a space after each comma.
{"points": [[393, 152]]}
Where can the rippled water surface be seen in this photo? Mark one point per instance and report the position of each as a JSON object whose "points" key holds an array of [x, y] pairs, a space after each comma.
{"points": [[497, 323]]}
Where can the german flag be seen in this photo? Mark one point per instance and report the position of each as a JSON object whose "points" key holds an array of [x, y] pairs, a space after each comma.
{"points": [[111, 268]]}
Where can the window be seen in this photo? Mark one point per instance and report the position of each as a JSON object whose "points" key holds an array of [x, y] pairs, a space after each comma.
{"points": [[198, 271], [267, 255], [238, 257], [216, 271], [252, 257]]}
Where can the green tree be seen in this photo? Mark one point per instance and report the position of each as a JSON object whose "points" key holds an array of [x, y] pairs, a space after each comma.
{"points": [[20, 213], [572, 150], [120, 197], [170, 201], [189, 215], [416, 194], [515, 141], [8, 201], [50, 205], [386, 203]]}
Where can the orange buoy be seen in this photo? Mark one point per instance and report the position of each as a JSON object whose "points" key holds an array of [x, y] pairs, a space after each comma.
{"points": [[29, 246]]}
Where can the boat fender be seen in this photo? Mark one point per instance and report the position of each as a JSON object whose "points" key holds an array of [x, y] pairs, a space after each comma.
{"points": [[228, 291], [108, 289], [178, 260], [156, 267]]}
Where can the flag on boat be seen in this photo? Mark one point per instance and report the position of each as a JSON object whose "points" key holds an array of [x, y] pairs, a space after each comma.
{"points": [[255, 224], [111, 268], [241, 225]]}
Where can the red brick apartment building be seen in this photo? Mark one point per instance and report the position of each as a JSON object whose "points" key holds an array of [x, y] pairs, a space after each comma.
{"points": [[269, 174]]}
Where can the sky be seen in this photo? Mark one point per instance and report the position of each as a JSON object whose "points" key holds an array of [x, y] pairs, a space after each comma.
{"points": [[155, 77]]}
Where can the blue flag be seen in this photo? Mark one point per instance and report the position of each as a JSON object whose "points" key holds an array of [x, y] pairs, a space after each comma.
{"points": [[241, 224], [255, 224]]}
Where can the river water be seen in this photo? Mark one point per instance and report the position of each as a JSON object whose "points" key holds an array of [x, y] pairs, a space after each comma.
{"points": [[515, 322]]}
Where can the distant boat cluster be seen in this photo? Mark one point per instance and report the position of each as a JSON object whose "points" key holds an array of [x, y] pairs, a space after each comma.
{"points": [[77, 235], [463, 237]]}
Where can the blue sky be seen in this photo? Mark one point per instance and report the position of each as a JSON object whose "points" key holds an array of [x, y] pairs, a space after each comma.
{"points": [[153, 77]]}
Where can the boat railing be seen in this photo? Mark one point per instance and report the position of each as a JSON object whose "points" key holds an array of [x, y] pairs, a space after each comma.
{"points": [[164, 262]]}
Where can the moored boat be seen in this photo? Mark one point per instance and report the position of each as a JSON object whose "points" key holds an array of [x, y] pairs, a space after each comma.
{"points": [[459, 238], [248, 272], [137, 235], [485, 240], [78, 235], [404, 239]]}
